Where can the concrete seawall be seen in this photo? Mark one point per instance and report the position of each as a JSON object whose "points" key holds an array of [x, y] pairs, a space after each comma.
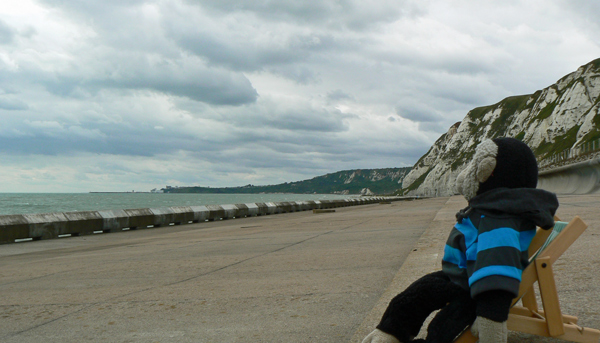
{"points": [[577, 178], [17, 228]]}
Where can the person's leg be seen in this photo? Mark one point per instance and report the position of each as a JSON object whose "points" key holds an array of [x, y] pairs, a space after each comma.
{"points": [[452, 319], [408, 310]]}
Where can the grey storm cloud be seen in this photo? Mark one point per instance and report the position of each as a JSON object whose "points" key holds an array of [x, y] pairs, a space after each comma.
{"points": [[417, 112], [338, 94], [139, 94], [274, 115], [11, 104], [354, 14], [165, 71], [218, 87], [243, 54], [6, 33]]}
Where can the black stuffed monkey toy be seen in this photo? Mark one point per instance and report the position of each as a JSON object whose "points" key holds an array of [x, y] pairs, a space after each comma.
{"points": [[485, 253]]}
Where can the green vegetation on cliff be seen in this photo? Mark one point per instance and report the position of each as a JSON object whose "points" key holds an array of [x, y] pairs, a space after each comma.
{"points": [[378, 181]]}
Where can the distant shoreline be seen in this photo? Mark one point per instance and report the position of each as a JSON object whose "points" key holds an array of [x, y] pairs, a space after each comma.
{"points": [[122, 192]]}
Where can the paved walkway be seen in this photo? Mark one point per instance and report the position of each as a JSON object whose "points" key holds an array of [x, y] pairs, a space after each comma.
{"points": [[298, 277]]}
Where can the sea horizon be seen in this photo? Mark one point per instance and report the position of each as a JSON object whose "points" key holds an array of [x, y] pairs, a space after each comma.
{"points": [[33, 203]]}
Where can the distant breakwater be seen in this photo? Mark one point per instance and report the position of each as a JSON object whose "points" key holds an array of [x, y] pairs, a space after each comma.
{"points": [[33, 227]]}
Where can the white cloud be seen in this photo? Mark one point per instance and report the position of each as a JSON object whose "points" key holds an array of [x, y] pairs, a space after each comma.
{"points": [[120, 95]]}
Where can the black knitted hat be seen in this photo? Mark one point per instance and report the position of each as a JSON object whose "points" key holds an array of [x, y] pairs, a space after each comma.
{"points": [[516, 166]]}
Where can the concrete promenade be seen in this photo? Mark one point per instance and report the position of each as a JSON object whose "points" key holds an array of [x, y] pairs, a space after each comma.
{"points": [[296, 277]]}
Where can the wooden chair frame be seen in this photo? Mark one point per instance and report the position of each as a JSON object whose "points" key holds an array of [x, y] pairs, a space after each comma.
{"points": [[549, 322]]}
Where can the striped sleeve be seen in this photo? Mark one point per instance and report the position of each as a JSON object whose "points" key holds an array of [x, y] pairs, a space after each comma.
{"points": [[457, 252]]}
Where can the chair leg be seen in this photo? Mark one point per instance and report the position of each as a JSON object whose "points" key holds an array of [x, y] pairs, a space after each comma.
{"points": [[529, 300], [549, 296]]}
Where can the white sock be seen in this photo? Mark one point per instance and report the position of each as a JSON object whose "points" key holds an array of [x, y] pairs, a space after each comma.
{"points": [[491, 331]]}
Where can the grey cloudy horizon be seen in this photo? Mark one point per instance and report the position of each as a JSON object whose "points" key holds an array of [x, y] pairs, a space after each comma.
{"points": [[118, 95]]}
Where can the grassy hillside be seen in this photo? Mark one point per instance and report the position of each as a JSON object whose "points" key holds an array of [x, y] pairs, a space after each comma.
{"points": [[378, 181]]}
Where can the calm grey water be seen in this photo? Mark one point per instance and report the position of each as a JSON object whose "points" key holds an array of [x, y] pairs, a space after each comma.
{"points": [[22, 203]]}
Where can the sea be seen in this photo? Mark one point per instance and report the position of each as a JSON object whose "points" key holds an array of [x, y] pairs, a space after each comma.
{"points": [[27, 203]]}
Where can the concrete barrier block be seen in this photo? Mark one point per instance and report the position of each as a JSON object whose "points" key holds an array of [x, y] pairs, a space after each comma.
{"points": [[216, 212], [252, 210], [114, 220], [272, 208], [303, 205], [263, 209], [298, 205], [201, 213], [47, 225], [306, 205], [230, 211], [84, 223], [140, 218], [13, 227], [183, 214], [338, 203], [243, 210], [326, 204], [284, 207], [163, 216]]}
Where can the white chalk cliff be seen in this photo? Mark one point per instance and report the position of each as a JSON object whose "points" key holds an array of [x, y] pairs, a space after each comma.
{"points": [[564, 116]]}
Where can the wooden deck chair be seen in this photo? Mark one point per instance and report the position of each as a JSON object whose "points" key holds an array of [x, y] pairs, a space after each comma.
{"points": [[546, 247]]}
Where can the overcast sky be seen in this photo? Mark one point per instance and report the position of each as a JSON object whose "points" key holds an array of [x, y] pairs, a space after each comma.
{"points": [[116, 95]]}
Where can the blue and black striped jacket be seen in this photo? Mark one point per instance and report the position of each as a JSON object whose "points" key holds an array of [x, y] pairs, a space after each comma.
{"points": [[487, 248]]}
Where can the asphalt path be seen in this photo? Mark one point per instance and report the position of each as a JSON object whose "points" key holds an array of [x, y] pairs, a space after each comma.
{"points": [[296, 277]]}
